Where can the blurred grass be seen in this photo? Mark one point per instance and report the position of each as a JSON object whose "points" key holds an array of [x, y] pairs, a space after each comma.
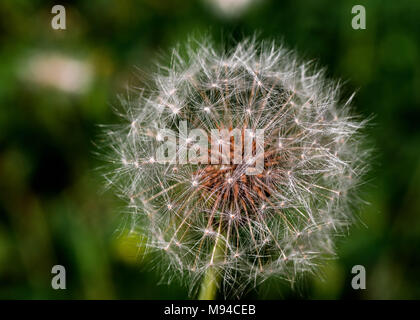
{"points": [[51, 209]]}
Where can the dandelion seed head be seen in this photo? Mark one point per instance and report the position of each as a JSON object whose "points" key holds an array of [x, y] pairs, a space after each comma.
{"points": [[279, 222]]}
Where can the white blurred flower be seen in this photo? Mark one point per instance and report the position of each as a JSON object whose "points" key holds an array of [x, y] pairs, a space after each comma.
{"points": [[59, 71], [231, 8]]}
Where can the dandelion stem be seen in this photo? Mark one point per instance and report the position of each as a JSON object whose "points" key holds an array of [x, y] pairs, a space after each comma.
{"points": [[210, 284]]}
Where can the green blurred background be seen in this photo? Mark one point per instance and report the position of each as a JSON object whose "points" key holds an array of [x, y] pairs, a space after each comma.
{"points": [[56, 86]]}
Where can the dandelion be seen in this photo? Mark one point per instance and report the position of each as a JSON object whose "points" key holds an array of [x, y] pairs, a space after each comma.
{"points": [[215, 222]]}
